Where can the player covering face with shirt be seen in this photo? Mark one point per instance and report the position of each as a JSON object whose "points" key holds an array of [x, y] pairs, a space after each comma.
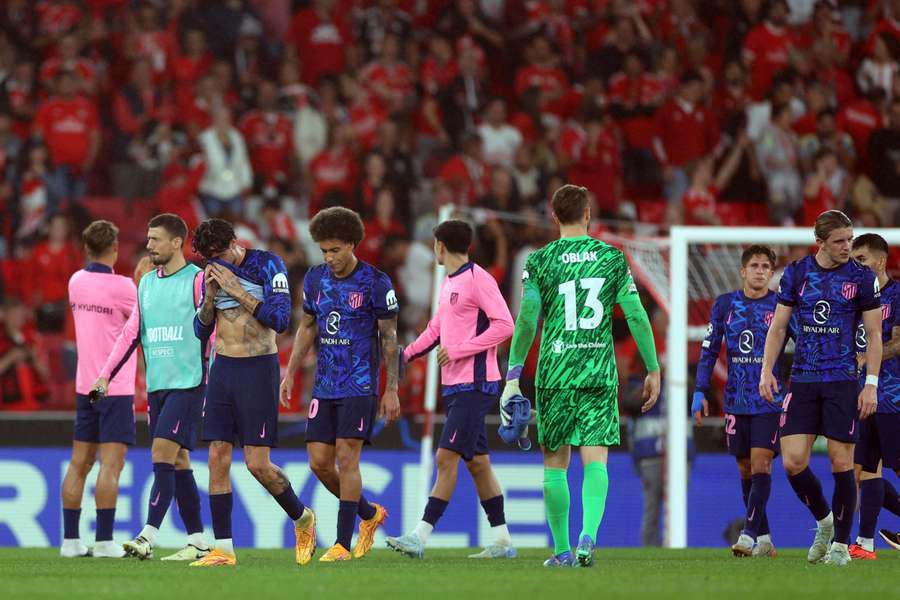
{"points": [[247, 299], [471, 320], [350, 311], [829, 293]]}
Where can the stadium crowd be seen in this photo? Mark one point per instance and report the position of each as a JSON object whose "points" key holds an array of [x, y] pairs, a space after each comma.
{"points": [[717, 112]]}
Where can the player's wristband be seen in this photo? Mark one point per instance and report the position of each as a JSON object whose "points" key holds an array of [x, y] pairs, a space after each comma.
{"points": [[697, 404], [514, 373], [872, 380]]}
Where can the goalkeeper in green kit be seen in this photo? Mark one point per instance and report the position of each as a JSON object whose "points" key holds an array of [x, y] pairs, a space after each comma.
{"points": [[575, 281]]}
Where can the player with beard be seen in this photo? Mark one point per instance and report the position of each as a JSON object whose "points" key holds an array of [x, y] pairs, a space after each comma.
{"points": [[162, 322]]}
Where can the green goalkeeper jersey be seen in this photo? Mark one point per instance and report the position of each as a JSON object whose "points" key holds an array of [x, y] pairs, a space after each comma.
{"points": [[579, 280]]}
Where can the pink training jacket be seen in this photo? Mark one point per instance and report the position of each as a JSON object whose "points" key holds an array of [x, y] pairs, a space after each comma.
{"points": [[101, 303], [130, 337], [472, 320]]}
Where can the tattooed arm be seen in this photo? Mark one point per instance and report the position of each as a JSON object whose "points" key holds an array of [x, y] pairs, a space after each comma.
{"points": [[390, 402], [204, 321]]}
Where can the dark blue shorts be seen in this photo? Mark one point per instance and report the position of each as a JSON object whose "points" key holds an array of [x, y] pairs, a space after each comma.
{"points": [[241, 405], [743, 432], [109, 420], [822, 408], [348, 418], [879, 440], [464, 431], [175, 415]]}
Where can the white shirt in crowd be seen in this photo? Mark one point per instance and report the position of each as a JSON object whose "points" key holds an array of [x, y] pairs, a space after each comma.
{"points": [[499, 144], [228, 173]]}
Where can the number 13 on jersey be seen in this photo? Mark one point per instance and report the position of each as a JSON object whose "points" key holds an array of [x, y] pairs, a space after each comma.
{"points": [[569, 291]]}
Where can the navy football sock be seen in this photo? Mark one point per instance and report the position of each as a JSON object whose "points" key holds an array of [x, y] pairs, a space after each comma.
{"points": [[366, 511], [290, 503], [346, 522], [106, 517], [746, 484], [161, 493], [187, 497], [843, 505], [493, 508], [871, 497], [71, 517], [761, 487], [220, 505], [891, 497], [807, 487], [434, 510]]}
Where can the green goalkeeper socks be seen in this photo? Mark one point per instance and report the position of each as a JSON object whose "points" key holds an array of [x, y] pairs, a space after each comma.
{"points": [[556, 504], [593, 498]]}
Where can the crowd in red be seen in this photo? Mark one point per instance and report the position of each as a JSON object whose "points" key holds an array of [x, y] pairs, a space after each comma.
{"points": [[715, 112]]}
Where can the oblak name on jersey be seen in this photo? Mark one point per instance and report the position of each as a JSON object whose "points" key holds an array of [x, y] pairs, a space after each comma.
{"points": [[743, 323]]}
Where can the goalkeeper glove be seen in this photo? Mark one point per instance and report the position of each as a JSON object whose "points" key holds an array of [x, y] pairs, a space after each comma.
{"points": [[509, 390]]}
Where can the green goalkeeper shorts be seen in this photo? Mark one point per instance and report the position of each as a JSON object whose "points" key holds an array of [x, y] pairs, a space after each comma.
{"points": [[587, 417]]}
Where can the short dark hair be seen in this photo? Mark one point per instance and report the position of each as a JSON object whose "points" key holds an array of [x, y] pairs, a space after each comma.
{"points": [[337, 223], [872, 241], [212, 237], [569, 203], [690, 76], [758, 250], [456, 235], [828, 221], [99, 237], [172, 223]]}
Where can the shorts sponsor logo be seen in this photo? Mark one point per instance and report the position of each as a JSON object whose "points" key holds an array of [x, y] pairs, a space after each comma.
{"points": [[821, 312], [280, 284], [848, 290], [333, 322], [356, 300], [313, 408]]}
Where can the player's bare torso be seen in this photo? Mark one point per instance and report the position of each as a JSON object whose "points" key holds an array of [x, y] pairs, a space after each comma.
{"points": [[240, 335]]}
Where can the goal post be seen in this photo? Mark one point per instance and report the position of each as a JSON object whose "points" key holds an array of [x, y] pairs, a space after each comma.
{"points": [[680, 333]]}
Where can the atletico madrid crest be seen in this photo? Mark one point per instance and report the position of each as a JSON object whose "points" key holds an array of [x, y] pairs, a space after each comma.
{"points": [[848, 290], [454, 297], [356, 300], [768, 318]]}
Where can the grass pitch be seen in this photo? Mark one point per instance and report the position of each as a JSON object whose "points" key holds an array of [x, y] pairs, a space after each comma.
{"points": [[702, 574]]}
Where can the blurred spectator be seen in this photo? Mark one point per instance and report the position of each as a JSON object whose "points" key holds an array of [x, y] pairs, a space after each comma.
{"points": [[54, 19], [18, 95], [366, 113], [375, 23], [188, 66], [252, 62], [778, 154], [137, 109], [702, 197], [373, 179], [826, 187], [269, 137], [589, 153], [400, 171], [70, 128], [228, 172], [503, 195], [501, 140], [69, 58], [462, 100], [526, 175], [50, 265], [149, 41], [884, 160], [22, 372], [685, 132], [880, 69], [31, 185], [628, 35], [542, 71], [383, 224], [332, 170], [827, 135], [319, 36], [767, 48], [634, 96], [467, 173], [860, 118], [388, 78]]}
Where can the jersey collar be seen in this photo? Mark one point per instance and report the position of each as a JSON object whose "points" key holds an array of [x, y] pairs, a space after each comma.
{"points": [[466, 267], [96, 267]]}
